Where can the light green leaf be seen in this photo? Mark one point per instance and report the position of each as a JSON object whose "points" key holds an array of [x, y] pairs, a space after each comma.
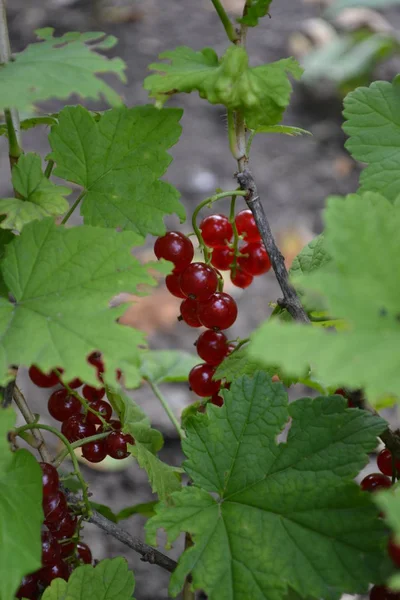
{"points": [[375, 135], [26, 124], [62, 281], [265, 516], [260, 93], [284, 129], [161, 366], [105, 510], [118, 161], [359, 286], [164, 479], [389, 503], [58, 67], [146, 509], [311, 258], [336, 7], [255, 10], [39, 197], [109, 580], [20, 494]]}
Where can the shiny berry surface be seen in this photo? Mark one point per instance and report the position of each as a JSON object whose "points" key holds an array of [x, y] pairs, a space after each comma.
{"points": [[385, 462], [117, 444], [59, 569], [41, 379], [199, 281], [102, 407], [28, 588], [172, 281], [55, 507], [222, 258], [91, 393], [76, 428], [65, 528], [216, 230], [189, 312], [256, 260], [84, 553], [175, 247], [246, 226], [201, 380], [219, 312], [62, 405], [212, 346], [50, 549], [50, 480], [95, 452], [241, 279], [375, 481]]}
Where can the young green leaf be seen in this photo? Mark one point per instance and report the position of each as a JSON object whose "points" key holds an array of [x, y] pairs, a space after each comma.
{"points": [[58, 67], [118, 161], [265, 516], [162, 366], [20, 494], [62, 281], [312, 257], [146, 509], [284, 129], [164, 479], [39, 197], [255, 10]]}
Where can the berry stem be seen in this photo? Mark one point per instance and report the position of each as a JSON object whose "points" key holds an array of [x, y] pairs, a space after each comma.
{"points": [[30, 419], [64, 453], [225, 20], [164, 403], [239, 345], [235, 235]]}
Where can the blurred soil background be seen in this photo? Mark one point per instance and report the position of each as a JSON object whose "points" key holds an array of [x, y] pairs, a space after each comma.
{"points": [[294, 176]]}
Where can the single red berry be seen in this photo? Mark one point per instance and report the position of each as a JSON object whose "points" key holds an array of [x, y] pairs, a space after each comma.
{"points": [[394, 552], [219, 312], [57, 570], [375, 481], [385, 462], [117, 444], [67, 547], [175, 247], [241, 279], [201, 380], [256, 260], [41, 379], [65, 528], [246, 226], [222, 258], [50, 549], [101, 407], [189, 312], [74, 383], [199, 281], [380, 592], [76, 428], [94, 452], [212, 346], [29, 587], [50, 480], [84, 553], [55, 507], [62, 405], [216, 230], [172, 282], [91, 393], [217, 400], [341, 392]]}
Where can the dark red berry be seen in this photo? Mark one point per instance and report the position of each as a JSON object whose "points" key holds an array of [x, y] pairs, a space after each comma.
{"points": [[222, 258], [241, 279], [76, 428], [67, 547], [385, 462], [219, 312], [41, 379], [91, 393], [65, 528], [212, 346], [189, 312], [59, 569], [217, 400], [29, 587], [375, 481], [199, 281], [117, 444], [216, 230], [172, 282], [380, 592], [94, 452], [75, 383], [50, 480], [50, 549], [201, 380], [55, 507], [246, 226], [96, 360], [101, 407], [394, 552], [84, 553], [256, 262], [175, 247], [62, 405]]}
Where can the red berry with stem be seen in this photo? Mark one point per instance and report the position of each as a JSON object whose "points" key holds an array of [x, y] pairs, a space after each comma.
{"points": [[201, 380], [50, 549], [92, 394], [241, 279], [394, 552], [385, 462], [117, 444], [172, 282], [65, 528], [175, 247], [29, 587], [41, 379], [246, 226], [212, 346], [57, 570], [219, 312], [76, 428], [50, 480], [217, 400], [199, 281], [84, 553], [189, 312], [94, 452], [375, 481], [101, 407], [222, 258], [62, 405], [256, 260], [216, 230], [55, 507]]}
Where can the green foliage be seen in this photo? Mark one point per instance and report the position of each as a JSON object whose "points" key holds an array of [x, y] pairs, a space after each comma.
{"points": [[260, 93], [58, 67], [118, 160], [255, 10], [62, 281], [162, 366], [283, 129], [31, 122], [285, 515], [5, 238], [20, 494], [109, 580], [313, 257], [389, 502], [39, 197], [164, 479], [336, 7], [146, 509]]}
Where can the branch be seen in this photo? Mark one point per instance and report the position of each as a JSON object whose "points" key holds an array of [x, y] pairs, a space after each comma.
{"points": [[7, 394]]}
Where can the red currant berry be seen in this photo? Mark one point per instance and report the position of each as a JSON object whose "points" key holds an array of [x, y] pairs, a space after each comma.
{"points": [[84, 553], [201, 380], [385, 462], [175, 247], [241, 279], [50, 549], [55, 508], [59, 569], [222, 258], [199, 281], [375, 481], [394, 552], [117, 444], [212, 346], [50, 480], [94, 452], [41, 379], [246, 226], [67, 547], [256, 262], [76, 428], [62, 405], [28, 588], [172, 282], [96, 360], [64, 528], [217, 400], [216, 230], [219, 312], [380, 592], [92, 394], [189, 312], [101, 407], [74, 384]]}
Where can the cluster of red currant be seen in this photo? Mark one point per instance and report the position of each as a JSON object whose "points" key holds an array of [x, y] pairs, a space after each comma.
{"points": [[200, 284]]}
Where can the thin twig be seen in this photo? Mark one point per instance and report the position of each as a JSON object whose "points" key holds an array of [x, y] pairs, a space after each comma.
{"points": [[29, 418], [164, 403]]}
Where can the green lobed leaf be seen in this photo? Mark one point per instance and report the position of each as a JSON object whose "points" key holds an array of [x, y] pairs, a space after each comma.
{"points": [[261, 93], [265, 517], [164, 479], [58, 67], [20, 494], [109, 580], [39, 197], [118, 160], [62, 281], [359, 286], [167, 366], [311, 258], [255, 10]]}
